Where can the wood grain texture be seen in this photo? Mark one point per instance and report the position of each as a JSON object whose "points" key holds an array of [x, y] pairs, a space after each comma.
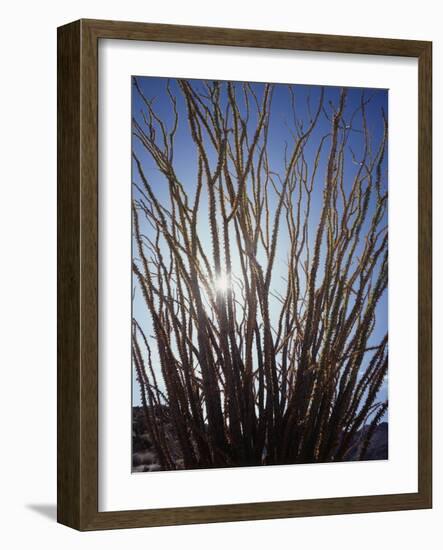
{"points": [[254, 38], [78, 274], [425, 274], [68, 275]]}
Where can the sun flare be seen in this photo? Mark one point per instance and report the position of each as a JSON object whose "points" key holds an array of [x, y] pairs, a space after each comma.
{"points": [[221, 283]]}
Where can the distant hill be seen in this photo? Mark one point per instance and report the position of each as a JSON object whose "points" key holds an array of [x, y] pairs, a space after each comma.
{"points": [[378, 447]]}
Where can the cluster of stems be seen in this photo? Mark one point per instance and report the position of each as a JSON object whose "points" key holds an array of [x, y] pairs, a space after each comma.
{"points": [[240, 368]]}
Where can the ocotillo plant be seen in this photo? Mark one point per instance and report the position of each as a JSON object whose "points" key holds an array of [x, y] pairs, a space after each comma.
{"points": [[242, 361]]}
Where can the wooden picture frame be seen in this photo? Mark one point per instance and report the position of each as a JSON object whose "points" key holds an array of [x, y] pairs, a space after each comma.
{"points": [[77, 480]]}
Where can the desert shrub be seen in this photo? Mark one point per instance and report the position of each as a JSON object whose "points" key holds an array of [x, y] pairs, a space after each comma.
{"points": [[239, 363]]}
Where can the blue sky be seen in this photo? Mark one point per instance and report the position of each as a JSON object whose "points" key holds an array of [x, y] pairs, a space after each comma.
{"points": [[281, 132]]}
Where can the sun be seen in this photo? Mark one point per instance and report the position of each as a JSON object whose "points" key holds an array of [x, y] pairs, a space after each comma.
{"points": [[221, 283]]}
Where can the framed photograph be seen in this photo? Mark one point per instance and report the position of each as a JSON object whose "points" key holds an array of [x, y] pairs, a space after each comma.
{"points": [[244, 275]]}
